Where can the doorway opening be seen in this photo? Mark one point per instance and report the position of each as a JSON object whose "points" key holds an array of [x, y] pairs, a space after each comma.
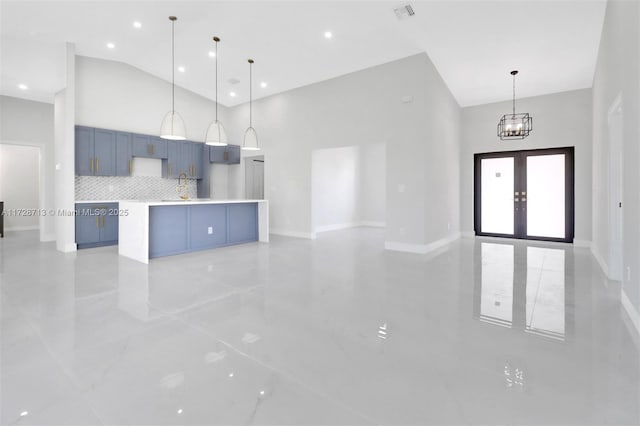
{"points": [[254, 177], [20, 187], [525, 194]]}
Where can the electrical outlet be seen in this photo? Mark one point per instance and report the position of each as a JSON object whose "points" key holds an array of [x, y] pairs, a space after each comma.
{"points": [[628, 273], [210, 230]]}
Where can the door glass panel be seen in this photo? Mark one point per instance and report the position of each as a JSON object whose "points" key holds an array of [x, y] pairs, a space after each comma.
{"points": [[546, 196], [497, 195]]}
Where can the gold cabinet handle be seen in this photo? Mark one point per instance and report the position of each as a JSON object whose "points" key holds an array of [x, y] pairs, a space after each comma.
{"points": [[91, 164], [130, 167], [97, 165], [153, 149], [149, 148], [103, 221], [97, 221], [169, 170]]}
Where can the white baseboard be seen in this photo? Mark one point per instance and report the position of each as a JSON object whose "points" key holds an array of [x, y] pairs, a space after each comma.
{"points": [[295, 234], [468, 234], [373, 224], [22, 228], [631, 311], [581, 243], [67, 248], [336, 227], [421, 248], [600, 259]]}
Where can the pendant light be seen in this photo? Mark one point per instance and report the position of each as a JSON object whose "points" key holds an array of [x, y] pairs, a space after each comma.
{"points": [[216, 136], [515, 126], [250, 137], [172, 126]]}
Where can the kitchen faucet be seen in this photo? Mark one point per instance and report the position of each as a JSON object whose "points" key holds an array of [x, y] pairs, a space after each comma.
{"points": [[183, 187]]}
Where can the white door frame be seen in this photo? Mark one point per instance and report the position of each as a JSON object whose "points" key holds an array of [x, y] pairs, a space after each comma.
{"points": [[615, 212]]}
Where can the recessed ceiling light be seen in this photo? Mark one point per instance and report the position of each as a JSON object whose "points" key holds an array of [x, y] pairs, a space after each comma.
{"points": [[181, 69], [180, 411], [111, 45], [137, 24], [22, 86], [24, 413], [263, 84], [232, 94], [328, 34], [212, 54]]}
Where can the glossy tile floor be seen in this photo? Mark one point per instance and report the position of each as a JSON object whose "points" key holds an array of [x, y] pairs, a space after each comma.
{"points": [[332, 331]]}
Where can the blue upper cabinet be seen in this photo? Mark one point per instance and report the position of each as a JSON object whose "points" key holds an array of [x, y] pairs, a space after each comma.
{"points": [[229, 154], [124, 156], [104, 150], [84, 151], [185, 165], [149, 146], [197, 150], [170, 166], [95, 151]]}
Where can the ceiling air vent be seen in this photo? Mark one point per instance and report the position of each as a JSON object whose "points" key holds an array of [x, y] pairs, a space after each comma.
{"points": [[404, 11]]}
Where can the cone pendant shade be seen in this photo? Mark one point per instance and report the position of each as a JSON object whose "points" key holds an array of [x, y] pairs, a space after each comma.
{"points": [[172, 127], [216, 135], [250, 137], [250, 140]]}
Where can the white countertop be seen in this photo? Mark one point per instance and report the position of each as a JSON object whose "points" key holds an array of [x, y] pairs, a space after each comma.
{"points": [[171, 202], [188, 202]]}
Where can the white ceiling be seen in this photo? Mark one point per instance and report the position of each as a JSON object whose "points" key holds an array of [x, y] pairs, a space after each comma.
{"points": [[474, 43]]}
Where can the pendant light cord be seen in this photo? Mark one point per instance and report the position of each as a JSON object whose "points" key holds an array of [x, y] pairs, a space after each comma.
{"points": [[216, 81], [514, 95], [250, 93], [173, 68]]}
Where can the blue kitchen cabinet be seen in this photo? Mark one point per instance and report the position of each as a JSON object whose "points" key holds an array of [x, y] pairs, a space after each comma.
{"points": [[149, 146], [176, 229], [242, 224], [168, 227], [197, 151], [95, 151], [229, 154], [233, 154], [96, 224], [84, 150], [208, 226], [170, 166], [185, 164], [124, 156], [104, 151]]}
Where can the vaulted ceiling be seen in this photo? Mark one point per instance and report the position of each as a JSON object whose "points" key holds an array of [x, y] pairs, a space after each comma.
{"points": [[473, 43]]}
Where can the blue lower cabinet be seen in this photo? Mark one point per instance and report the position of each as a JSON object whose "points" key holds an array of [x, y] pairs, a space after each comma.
{"points": [[242, 223], [208, 226], [179, 229], [96, 224], [168, 230]]}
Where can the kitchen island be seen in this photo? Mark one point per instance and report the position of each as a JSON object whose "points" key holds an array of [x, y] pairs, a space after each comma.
{"points": [[149, 229]]}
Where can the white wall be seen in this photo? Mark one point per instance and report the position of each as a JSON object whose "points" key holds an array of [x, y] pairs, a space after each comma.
{"points": [[335, 186], [559, 120], [114, 95], [30, 123], [362, 109], [373, 187], [19, 185], [618, 74]]}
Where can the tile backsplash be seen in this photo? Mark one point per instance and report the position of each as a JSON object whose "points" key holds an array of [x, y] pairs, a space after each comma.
{"points": [[130, 188]]}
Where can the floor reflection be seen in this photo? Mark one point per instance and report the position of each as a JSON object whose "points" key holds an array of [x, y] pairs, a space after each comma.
{"points": [[524, 287]]}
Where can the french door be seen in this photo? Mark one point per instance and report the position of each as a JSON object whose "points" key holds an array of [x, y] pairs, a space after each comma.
{"points": [[525, 194]]}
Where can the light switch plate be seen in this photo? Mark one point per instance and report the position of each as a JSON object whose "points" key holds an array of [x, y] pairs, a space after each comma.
{"points": [[210, 230]]}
